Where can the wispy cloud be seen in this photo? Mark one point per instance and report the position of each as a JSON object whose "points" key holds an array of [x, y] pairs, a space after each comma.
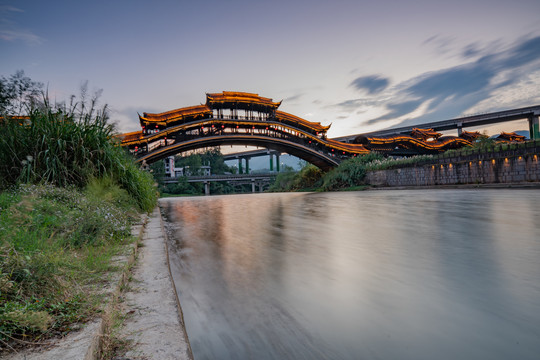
{"points": [[11, 31], [293, 97], [452, 91]]}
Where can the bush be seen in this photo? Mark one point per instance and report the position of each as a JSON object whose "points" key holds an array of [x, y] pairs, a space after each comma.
{"points": [[350, 172]]}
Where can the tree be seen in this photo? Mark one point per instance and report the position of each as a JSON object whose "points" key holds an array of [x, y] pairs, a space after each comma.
{"points": [[18, 94]]}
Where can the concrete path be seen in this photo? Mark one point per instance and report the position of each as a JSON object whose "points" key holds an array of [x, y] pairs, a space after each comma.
{"points": [[153, 326]]}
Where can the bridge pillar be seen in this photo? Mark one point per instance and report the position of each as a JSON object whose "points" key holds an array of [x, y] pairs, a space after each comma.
{"points": [[277, 162], [534, 129], [240, 165], [271, 163], [247, 165], [459, 129], [207, 188], [252, 185]]}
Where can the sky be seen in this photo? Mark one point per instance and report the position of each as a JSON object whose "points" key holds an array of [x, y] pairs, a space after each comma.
{"points": [[359, 65]]}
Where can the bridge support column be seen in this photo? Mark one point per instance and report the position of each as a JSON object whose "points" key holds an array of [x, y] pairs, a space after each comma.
{"points": [[247, 165], [252, 185], [277, 162], [459, 129], [207, 188], [534, 129], [271, 163], [240, 165]]}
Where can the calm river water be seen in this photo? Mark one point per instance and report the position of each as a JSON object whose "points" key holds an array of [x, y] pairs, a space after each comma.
{"points": [[412, 274]]}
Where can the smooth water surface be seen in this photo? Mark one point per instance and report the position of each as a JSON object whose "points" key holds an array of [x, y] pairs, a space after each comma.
{"points": [[412, 274]]}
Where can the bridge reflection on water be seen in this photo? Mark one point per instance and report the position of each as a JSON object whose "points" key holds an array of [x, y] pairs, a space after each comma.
{"points": [[431, 274]]}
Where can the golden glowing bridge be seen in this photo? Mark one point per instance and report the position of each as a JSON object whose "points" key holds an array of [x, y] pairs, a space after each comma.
{"points": [[239, 118]]}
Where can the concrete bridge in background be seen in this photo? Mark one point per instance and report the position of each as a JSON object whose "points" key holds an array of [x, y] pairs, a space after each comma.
{"points": [[531, 113], [257, 181]]}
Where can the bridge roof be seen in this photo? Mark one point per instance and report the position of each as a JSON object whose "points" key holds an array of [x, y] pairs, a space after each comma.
{"points": [[182, 114], [286, 117], [127, 138], [342, 146], [249, 100]]}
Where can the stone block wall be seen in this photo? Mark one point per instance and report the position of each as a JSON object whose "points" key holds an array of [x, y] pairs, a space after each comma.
{"points": [[504, 164]]}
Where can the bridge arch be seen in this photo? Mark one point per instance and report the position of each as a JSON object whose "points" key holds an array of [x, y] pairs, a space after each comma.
{"points": [[317, 158], [236, 118]]}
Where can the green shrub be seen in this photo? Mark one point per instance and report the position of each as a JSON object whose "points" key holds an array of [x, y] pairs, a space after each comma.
{"points": [[350, 172]]}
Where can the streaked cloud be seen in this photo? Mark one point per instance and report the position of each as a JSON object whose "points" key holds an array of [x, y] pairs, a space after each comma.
{"points": [[373, 84], [451, 92], [11, 31]]}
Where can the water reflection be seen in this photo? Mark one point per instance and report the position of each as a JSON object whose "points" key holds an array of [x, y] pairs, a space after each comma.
{"points": [[440, 274]]}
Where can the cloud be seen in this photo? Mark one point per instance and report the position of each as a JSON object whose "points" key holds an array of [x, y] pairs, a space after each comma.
{"points": [[397, 110], [10, 31], [450, 92], [293, 98], [374, 84]]}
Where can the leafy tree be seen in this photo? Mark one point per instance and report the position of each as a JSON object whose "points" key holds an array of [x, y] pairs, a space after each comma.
{"points": [[19, 94]]}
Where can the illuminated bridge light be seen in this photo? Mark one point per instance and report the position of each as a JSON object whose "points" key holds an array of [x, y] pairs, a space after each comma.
{"points": [[480, 162], [506, 159], [493, 161]]}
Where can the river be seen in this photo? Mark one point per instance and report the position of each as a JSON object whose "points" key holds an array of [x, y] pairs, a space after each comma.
{"points": [[393, 274]]}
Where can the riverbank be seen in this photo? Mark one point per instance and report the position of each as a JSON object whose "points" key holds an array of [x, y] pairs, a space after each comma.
{"points": [[140, 313]]}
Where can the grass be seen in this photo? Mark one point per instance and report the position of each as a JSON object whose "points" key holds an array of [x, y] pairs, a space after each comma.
{"points": [[56, 247], [69, 146], [68, 195]]}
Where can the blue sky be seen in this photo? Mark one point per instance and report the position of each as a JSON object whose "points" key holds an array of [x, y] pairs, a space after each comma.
{"points": [[360, 65]]}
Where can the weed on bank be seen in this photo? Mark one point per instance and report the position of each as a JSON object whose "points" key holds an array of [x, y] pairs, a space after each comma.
{"points": [[56, 246]]}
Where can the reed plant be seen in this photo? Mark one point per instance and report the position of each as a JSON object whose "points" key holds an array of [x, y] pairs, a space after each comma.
{"points": [[68, 146]]}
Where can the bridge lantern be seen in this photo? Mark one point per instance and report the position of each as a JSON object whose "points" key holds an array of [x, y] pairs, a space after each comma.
{"points": [[212, 125], [222, 126], [156, 126]]}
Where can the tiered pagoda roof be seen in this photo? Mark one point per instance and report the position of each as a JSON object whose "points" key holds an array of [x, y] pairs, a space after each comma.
{"points": [[241, 100], [512, 136], [470, 135], [424, 134], [181, 115]]}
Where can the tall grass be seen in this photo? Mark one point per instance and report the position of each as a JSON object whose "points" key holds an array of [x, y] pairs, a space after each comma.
{"points": [[67, 146]]}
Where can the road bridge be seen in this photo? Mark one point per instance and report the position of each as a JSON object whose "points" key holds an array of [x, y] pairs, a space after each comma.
{"points": [[257, 181], [530, 113]]}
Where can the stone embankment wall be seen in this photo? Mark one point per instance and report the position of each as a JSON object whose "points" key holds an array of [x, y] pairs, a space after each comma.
{"points": [[510, 163]]}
